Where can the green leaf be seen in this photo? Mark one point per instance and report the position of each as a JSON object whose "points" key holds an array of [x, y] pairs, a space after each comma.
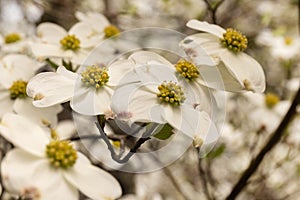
{"points": [[51, 63], [216, 152], [163, 132], [68, 66]]}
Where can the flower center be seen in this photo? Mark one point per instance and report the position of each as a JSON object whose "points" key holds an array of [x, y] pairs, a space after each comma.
{"points": [[12, 38], [18, 89], [95, 76], [288, 41], [234, 40], [110, 31], [271, 100], [70, 42], [171, 93], [187, 69], [61, 154]]}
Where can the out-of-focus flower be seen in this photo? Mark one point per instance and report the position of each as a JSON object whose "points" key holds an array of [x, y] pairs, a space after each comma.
{"points": [[281, 47], [238, 70], [268, 111], [99, 23], [27, 168], [15, 72], [54, 41]]}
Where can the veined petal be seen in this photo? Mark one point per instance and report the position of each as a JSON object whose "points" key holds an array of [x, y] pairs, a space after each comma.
{"points": [[93, 181], [50, 88], [40, 116], [245, 69], [51, 33], [206, 27], [86, 34], [89, 101], [6, 104], [24, 133], [144, 57]]}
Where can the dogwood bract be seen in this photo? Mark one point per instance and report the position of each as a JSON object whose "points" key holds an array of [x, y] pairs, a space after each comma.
{"points": [[27, 168], [238, 70]]}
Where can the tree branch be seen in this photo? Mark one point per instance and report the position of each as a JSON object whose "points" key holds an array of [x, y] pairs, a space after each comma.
{"points": [[273, 140]]}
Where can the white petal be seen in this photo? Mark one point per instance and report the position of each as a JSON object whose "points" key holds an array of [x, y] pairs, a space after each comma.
{"points": [[245, 69], [206, 27], [93, 182], [87, 36], [144, 57], [53, 88], [89, 101], [203, 49], [138, 102], [15, 69], [51, 33], [40, 50], [24, 172], [18, 168], [120, 72], [24, 134], [96, 20], [25, 108], [6, 104], [20, 61], [65, 129]]}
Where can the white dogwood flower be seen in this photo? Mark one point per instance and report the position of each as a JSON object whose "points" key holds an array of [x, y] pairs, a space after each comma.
{"points": [[238, 70], [40, 168], [89, 91], [159, 98], [15, 72]]}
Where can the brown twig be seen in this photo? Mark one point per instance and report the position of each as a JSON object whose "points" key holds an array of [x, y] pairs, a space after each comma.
{"points": [[213, 9], [273, 140]]}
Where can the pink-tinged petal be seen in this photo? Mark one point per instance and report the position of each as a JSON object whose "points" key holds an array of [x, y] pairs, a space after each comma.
{"points": [[245, 69], [40, 116], [50, 88], [86, 34], [93, 181], [6, 103], [144, 57], [24, 133], [206, 27], [51, 33], [89, 101]]}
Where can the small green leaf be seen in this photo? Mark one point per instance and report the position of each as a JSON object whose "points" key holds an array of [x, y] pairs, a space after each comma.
{"points": [[51, 63], [163, 132], [216, 152], [68, 66]]}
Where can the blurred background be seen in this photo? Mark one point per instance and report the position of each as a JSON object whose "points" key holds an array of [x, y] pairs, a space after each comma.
{"points": [[272, 29]]}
